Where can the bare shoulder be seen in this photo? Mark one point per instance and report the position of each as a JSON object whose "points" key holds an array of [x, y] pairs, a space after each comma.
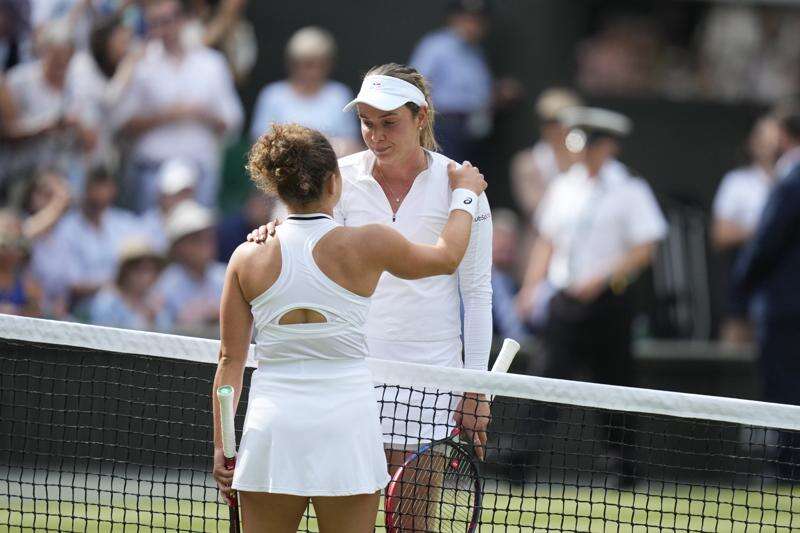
{"points": [[250, 255]]}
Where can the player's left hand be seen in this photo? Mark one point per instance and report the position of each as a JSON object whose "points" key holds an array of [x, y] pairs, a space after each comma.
{"points": [[473, 415], [223, 476]]}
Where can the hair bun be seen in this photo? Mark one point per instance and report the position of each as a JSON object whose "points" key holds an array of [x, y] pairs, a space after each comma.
{"points": [[293, 161]]}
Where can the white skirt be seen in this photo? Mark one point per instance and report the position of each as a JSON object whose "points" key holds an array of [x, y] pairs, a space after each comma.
{"points": [[411, 417], [312, 429]]}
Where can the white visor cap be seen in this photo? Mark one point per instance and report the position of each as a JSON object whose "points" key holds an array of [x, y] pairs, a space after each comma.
{"points": [[387, 93]]}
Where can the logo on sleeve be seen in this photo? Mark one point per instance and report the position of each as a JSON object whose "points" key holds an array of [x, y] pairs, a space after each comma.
{"points": [[468, 201]]}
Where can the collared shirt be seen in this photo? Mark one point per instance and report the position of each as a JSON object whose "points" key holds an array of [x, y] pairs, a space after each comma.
{"points": [[278, 102], [426, 309], [457, 71], [741, 196], [593, 222], [200, 77], [186, 299], [93, 251]]}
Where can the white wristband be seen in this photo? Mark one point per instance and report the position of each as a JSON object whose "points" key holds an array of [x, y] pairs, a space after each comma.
{"points": [[465, 200]]}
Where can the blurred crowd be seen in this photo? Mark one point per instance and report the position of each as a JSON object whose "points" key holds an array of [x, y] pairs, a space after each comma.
{"points": [[730, 51], [115, 116]]}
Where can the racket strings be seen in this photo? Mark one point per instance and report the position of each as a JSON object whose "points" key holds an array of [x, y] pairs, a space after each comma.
{"points": [[437, 492]]}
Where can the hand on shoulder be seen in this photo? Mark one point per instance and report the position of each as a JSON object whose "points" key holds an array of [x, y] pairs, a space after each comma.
{"points": [[467, 177]]}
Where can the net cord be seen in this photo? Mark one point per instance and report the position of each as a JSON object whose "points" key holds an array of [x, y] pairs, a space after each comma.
{"points": [[611, 397]]}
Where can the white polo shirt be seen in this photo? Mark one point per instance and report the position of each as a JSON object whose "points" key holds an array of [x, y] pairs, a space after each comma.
{"points": [[593, 222], [425, 311], [741, 196]]}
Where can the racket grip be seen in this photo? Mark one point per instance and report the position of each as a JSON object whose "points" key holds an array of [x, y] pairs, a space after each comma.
{"points": [[230, 463]]}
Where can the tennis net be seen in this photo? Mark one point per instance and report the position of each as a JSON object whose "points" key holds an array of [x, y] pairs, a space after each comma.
{"points": [[110, 430]]}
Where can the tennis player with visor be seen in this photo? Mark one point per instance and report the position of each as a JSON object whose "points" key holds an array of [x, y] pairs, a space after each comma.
{"points": [[312, 429], [402, 182]]}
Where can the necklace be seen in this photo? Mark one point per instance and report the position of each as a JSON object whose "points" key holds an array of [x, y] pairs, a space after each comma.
{"points": [[385, 183], [397, 197]]}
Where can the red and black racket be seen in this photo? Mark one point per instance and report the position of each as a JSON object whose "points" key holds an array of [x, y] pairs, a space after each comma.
{"points": [[225, 395], [439, 486]]}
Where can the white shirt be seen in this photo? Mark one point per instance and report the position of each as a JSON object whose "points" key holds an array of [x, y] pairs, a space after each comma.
{"points": [[741, 196], [593, 222], [544, 157], [160, 82], [278, 102], [187, 300], [426, 309], [94, 250], [153, 223], [38, 104]]}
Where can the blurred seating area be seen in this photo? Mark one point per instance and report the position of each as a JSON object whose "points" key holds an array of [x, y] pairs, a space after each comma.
{"points": [[124, 125]]}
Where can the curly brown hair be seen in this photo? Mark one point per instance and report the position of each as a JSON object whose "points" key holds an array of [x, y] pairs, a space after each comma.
{"points": [[293, 162]]}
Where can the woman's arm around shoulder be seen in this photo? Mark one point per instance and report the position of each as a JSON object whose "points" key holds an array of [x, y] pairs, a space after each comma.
{"points": [[387, 250]]}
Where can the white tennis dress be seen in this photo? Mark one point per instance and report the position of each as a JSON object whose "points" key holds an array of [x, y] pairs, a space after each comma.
{"points": [[312, 426]]}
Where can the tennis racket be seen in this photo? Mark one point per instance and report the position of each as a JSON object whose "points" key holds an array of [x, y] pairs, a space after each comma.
{"points": [[439, 487], [225, 395]]}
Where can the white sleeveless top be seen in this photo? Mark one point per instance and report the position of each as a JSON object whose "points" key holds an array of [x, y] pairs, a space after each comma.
{"points": [[302, 285]]}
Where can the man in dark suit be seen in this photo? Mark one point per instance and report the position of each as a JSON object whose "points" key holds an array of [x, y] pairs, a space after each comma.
{"points": [[769, 269]]}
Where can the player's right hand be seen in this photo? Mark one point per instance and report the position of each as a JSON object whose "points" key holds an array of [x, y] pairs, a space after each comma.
{"points": [[261, 233], [466, 177], [223, 476]]}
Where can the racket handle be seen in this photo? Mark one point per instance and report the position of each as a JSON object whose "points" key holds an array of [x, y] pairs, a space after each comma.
{"points": [[506, 356]]}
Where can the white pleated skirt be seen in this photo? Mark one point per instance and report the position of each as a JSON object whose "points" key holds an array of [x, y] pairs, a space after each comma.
{"points": [[312, 429]]}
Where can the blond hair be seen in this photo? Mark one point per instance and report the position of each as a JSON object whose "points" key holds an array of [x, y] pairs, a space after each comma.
{"points": [[427, 139]]}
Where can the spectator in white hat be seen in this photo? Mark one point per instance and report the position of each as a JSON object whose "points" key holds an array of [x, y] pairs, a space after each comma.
{"points": [[308, 97], [534, 168], [127, 303], [177, 179], [598, 229], [191, 287], [598, 226]]}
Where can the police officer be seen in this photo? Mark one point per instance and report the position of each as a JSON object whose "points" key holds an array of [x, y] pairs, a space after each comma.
{"points": [[598, 228]]}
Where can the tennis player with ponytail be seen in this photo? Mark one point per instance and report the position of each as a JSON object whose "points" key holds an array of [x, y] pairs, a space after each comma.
{"points": [[312, 429], [401, 181]]}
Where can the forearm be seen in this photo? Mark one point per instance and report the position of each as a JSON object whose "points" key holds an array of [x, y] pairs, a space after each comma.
{"points": [[477, 328], [726, 234], [230, 371], [43, 221], [631, 264], [538, 263], [221, 24], [475, 286]]}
